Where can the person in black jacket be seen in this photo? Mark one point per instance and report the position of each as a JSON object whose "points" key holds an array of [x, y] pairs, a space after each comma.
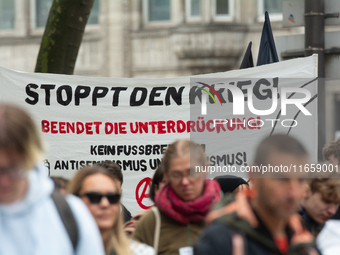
{"points": [[263, 220]]}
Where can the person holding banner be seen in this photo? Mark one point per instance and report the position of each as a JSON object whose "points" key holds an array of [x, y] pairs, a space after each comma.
{"points": [[264, 219], [100, 191], [173, 225], [32, 216]]}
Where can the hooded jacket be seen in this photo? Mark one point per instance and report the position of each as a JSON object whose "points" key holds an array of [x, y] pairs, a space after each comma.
{"points": [[33, 226], [236, 218]]}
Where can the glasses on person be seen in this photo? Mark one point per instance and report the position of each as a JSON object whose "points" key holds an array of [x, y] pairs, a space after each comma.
{"points": [[192, 174], [96, 197], [13, 172], [176, 176]]}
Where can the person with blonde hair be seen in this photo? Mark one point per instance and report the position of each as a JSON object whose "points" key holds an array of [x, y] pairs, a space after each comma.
{"points": [[31, 221], [99, 190]]}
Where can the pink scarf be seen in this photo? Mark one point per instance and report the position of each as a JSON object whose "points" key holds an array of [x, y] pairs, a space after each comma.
{"points": [[188, 211]]}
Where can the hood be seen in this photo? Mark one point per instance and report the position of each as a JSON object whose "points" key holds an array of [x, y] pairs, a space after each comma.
{"points": [[40, 187]]}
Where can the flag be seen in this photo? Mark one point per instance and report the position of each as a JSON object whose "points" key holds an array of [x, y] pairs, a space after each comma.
{"points": [[247, 61], [267, 50]]}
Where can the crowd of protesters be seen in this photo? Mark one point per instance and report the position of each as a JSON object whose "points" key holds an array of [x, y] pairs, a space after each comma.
{"points": [[288, 214]]}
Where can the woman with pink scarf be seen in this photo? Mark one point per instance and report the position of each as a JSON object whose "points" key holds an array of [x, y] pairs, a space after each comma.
{"points": [[181, 204]]}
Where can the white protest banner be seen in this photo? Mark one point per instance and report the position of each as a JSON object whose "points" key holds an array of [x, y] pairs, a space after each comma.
{"points": [[85, 120]]}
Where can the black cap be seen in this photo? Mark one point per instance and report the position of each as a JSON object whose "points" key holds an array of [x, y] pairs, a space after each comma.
{"points": [[229, 183]]}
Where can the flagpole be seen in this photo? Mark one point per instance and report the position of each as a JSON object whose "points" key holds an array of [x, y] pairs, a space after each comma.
{"points": [[315, 44]]}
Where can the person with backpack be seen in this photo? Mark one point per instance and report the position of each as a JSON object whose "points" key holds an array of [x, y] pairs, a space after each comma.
{"points": [[33, 218], [174, 223]]}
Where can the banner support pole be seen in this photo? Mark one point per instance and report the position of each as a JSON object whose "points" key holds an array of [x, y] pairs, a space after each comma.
{"points": [[315, 44]]}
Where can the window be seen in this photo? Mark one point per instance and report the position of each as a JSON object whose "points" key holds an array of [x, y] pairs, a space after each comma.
{"points": [[223, 10], [94, 15], [7, 14], [42, 9], [193, 8], [273, 7], [222, 7], [157, 10]]}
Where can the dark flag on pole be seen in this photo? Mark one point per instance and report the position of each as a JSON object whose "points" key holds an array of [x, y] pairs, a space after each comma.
{"points": [[267, 50], [247, 61]]}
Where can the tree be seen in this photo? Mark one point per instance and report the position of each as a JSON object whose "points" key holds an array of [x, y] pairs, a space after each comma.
{"points": [[63, 35]]}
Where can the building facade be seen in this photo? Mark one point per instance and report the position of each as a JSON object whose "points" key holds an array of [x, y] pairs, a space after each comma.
{"points": [[145, 38]]}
